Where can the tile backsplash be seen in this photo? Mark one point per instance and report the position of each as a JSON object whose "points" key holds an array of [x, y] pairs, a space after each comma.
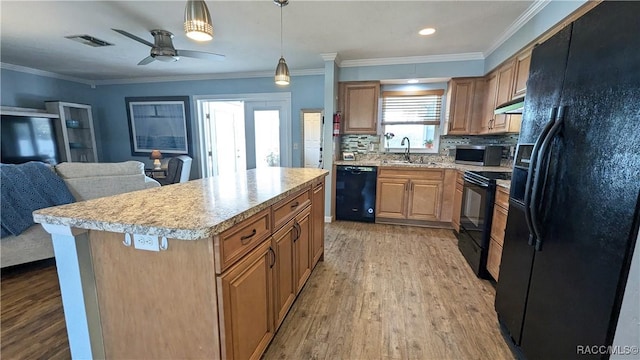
{"points": [[372, 144]]}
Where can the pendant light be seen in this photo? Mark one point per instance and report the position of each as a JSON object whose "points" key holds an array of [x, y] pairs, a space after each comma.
{"points": [[197, 21], [282, 70]]}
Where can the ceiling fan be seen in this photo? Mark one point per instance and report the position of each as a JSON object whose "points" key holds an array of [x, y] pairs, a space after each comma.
{"points": [[163, 49]]}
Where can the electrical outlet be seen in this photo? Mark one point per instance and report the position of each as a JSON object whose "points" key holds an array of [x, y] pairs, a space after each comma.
{"points": [[146, 242]]}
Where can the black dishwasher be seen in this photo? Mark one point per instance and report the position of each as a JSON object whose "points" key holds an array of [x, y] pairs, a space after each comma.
{"points": [[356, 193]]}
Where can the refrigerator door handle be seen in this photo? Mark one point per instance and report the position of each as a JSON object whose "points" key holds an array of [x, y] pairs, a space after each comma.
{"points": [[537, 184], [531, 173]]}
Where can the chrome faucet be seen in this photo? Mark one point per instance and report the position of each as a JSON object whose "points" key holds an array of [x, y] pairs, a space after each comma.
{"points": [[406, 151]]}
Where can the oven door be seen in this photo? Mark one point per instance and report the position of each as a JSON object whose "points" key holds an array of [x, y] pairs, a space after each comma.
{"points": [[475, 199]]}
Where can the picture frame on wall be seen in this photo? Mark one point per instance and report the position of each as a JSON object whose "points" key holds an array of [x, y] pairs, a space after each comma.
{"points": [[159, 123]]}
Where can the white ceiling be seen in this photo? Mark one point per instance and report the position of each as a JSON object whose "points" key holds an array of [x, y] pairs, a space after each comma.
{"points": [[248, 33]]}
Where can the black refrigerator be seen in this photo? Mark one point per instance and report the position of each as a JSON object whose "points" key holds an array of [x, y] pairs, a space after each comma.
{"points": [[573, 216]]}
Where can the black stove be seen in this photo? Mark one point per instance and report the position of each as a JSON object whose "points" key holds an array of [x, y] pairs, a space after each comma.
{"points": [[476, 215], [488, 176]]}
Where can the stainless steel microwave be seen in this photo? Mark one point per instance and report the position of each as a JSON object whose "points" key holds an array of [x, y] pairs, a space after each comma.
{"points": [[483, 155]]}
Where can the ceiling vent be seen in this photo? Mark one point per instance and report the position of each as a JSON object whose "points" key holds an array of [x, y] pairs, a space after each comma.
{"points": [[89, 40]]}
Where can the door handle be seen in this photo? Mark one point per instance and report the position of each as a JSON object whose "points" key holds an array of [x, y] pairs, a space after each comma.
{"points": [[273, 254], [531, 173], [296, 228], [534, 206]]}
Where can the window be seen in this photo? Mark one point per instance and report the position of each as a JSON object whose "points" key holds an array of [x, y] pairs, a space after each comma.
{"points": [[415, 115]]}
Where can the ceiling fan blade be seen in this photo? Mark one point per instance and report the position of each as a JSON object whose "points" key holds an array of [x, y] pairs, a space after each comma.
{"points": [[131, 36], [200, 55], [146, 60]]}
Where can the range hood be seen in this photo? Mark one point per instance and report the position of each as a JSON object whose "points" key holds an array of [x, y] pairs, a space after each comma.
{"points": [[510, 107]]}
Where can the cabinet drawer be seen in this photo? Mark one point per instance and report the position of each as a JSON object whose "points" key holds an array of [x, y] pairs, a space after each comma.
{"points": [[286, 209], [411, 174], [502, 197], [498, 224], [233, 244]]}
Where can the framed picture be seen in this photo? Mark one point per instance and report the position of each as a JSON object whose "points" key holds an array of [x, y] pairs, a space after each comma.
{"points": [[159, 123]]}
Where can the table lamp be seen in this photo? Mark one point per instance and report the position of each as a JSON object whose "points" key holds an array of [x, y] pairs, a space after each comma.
{"points": [[156, 156]]}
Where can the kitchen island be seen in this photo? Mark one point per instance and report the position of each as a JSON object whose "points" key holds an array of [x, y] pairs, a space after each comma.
{"points": [[203, 269]]}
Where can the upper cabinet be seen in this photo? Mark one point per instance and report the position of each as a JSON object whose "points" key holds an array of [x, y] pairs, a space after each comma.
{"points": [[76, 137], [504, 84], [464, 105], [358, 102], [521, 74]]}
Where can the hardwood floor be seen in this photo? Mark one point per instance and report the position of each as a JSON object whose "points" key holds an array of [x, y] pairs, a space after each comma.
{"points": [[391, 292], [383, 292], [32, 320]]}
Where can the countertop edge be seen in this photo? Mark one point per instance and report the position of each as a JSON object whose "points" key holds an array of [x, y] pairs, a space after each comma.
{"points": [[171, 233]]}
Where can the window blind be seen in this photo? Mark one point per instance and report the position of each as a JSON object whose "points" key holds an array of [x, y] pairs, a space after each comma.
{"points": [[411, 108]]}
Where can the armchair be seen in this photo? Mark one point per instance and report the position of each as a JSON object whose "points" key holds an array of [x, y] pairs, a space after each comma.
{"points": [[178, 169]]}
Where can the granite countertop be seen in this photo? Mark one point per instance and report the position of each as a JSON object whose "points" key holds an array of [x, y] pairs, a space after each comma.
{"points": [[187, 211], [425, 165]]}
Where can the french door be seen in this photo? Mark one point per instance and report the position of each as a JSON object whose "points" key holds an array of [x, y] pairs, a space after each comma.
{"points": [[239, 134]]}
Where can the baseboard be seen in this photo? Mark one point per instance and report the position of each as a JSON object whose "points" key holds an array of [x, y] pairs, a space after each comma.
{"points": [[328, 219]]}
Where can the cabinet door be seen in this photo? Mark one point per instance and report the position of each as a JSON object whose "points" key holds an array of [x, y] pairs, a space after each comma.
{"points": [[457, 207], [491, 89], [283, 273], [391, 198], [493, 259], [74, 131], [245, 295], [302, 250], [521, 74], [317, 218], [505, 85], [460, 105], [424, 200], [360, 107]]}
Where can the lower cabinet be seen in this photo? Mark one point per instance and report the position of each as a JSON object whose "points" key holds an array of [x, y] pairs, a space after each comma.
{"points": [[317, 224], [424, 200], [285, 291], [457, 201], [245, 296], [256, 292], [412, 196], [302, 248], [498, 226]]}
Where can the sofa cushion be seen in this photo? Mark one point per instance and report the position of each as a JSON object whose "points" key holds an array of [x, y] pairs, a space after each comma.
{"points": [[87, 188], [84, 170]]}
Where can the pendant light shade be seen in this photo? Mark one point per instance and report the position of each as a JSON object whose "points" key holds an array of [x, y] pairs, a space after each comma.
{"points": [[282, 73], [197, 21], [282, 70]]}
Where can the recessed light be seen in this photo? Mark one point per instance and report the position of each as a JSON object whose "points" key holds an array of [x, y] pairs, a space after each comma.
{"points": [[413, 81], [427, 31]]}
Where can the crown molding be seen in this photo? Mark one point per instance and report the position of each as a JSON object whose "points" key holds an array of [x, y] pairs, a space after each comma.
{"points": [[93, 83], [330, 57], [221, 76], [524, 18], [412, 60], [27, 70]]}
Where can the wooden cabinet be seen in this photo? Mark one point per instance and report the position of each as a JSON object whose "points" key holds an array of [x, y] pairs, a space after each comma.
{"points": [[284, 286], [74, 132], [503, 94], [521, 74], [245, 297], [498, 226], [410, 196], [358, 102], [489, 103], [457, 201], [302, 248], [391, 198], [260, 282], [464, 105], [424, 200], [317, 223]]}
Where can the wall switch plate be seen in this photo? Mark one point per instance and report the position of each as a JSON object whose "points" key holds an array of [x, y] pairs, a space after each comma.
{"points": [[146, 242]]}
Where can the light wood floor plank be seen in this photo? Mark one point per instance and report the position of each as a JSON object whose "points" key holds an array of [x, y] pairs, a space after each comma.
{"points": [[383, 292]]}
